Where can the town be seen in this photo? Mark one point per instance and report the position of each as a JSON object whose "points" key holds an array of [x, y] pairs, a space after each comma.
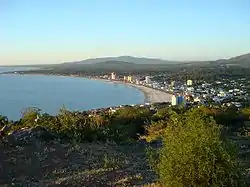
{"points": [[189, 92], [228, 91]]}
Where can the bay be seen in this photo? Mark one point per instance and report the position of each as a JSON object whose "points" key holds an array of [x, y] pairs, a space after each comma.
{"points": [[50, 93]]}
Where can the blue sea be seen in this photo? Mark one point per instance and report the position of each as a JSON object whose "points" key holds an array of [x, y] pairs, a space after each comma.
{"points": [[50, 93]]}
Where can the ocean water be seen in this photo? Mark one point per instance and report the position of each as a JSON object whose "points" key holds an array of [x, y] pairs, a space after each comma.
{"points": [[50, 93]]}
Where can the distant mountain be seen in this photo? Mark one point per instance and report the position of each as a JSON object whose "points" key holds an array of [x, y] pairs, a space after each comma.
{"points": [[112, 64], [135, 60], [129, 63], [242, 60]]}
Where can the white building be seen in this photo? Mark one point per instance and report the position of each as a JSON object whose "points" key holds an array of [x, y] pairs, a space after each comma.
{"points": [[113, 76], [147, 80], [178, 100], [174, 100], [197, 99], [221, 94], [191, 89], [189, 82]]}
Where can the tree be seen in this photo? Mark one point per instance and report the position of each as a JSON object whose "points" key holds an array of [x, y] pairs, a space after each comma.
{"points": [[195, 153]]}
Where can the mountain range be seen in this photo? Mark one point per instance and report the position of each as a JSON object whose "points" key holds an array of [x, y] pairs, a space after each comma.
{"points": [[136, 63], [129, 59], [242, 60]]}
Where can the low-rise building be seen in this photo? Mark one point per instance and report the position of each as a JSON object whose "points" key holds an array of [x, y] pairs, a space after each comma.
{"points": [[147, 80], [113, 76]]}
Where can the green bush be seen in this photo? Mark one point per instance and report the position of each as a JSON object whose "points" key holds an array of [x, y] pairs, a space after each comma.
{"points": [[3, 121], [162, 113], [194, 153], [76, 126], [128, 123], [29, 116]]}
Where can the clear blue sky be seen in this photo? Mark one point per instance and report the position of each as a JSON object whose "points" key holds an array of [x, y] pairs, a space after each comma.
{"points": [[52, 31]]}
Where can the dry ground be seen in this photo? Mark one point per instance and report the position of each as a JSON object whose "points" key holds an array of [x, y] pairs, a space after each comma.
{"points": [[65, 164]]}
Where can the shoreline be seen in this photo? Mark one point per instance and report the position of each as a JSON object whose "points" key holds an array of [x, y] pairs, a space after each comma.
{"points": [[151, 95]]}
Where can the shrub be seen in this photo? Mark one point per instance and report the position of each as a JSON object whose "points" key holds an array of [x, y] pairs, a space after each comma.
{"points": [[154, 130], [246, 113], [194, 153], [29, 116], [3, 121], [128, 123], [162, 113]]}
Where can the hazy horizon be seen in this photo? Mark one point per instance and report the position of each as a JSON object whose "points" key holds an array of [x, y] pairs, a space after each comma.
{"points": [[43, 32]]}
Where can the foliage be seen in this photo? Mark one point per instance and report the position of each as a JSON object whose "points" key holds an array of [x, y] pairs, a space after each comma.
{"points": [[154, 130], [162, 113], [246, 113], [196, 154], [128, 122], [123, 125], [3, 120], [29, 116]]}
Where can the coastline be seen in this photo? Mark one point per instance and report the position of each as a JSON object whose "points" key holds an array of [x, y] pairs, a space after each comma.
{"points": [[151, 95]]}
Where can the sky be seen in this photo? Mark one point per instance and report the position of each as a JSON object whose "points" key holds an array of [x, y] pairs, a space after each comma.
{"points": [[55, 31]]}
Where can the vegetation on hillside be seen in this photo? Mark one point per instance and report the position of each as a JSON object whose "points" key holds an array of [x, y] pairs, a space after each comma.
{"points": [[188, 146], [195, 153], [128, 123]]}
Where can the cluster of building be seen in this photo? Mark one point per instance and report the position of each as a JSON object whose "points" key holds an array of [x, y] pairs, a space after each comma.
{"points": [[223, 92], [178, 100], [130, 79], [189, 92]]}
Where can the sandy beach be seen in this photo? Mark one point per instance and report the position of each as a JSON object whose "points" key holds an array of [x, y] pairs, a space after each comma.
{"points": [[152, 95]]}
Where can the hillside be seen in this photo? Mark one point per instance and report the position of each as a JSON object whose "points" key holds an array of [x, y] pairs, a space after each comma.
{"points": [[107, 66], [242, 60], [135, 60], [138, 65], [124, 147]]}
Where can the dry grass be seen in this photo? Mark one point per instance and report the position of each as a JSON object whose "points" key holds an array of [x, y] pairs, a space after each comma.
{"points": [[88, 164]]}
